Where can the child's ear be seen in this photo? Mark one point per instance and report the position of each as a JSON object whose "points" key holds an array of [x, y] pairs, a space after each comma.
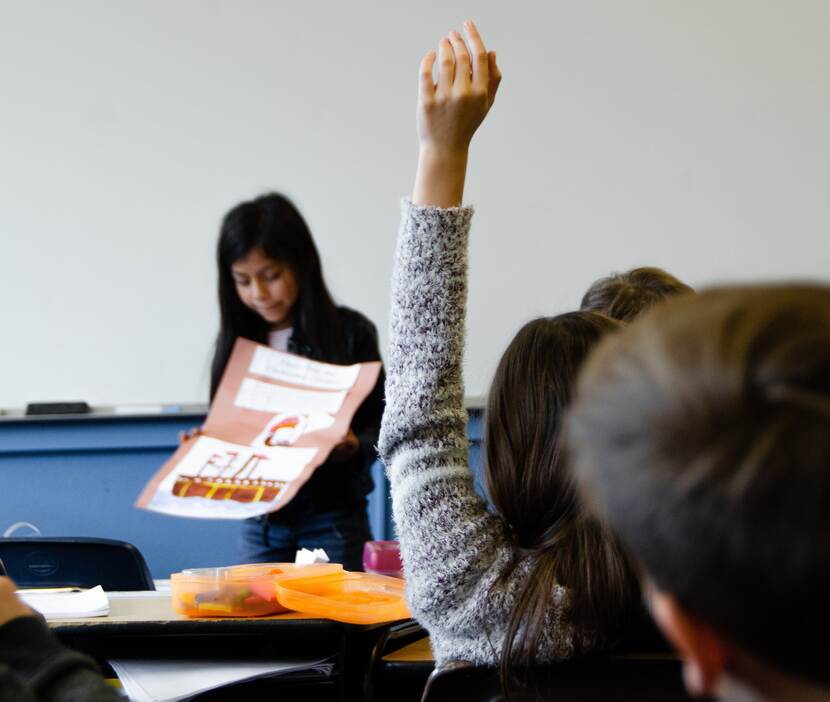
{"points": [[702, 649]]}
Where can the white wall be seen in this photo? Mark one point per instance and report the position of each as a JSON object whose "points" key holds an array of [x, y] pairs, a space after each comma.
{"points": [[691, 135]]}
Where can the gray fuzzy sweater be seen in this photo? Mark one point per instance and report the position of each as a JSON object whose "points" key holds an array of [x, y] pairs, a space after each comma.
{"points": [[456, 553]]}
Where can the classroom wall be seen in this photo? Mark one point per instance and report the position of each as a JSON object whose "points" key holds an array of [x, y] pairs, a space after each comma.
{"points": [[691, 135]]}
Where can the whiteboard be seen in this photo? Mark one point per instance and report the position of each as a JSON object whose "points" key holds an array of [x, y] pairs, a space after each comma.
{"points": [[689, 135]]}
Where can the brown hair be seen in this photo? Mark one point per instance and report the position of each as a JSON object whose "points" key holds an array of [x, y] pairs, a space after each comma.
{"points": [[702, 433], [624, 296], [533, 491]]}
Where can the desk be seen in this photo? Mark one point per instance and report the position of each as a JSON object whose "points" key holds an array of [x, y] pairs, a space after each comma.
{"points": [[142, 625], [419, 651], [130, 612], [402, 674]]}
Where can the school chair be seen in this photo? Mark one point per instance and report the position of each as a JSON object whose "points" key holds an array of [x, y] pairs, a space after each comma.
{"points": [[394, 673], [75, 562], [644, 677], [641, 668]]}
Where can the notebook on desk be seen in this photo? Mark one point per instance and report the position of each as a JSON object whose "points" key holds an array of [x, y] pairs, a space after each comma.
{"points": [[165, 680], [67, 602]]}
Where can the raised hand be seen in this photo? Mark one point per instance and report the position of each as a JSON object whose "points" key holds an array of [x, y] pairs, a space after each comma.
{"points": [[449, 112]]}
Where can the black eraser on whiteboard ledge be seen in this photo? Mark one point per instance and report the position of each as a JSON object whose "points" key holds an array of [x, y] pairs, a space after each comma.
{"points": [[58, 408]]}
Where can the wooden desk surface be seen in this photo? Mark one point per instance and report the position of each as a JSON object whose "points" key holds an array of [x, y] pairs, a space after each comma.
{"points": [[155, 607], [419, 651], [152, 613]]}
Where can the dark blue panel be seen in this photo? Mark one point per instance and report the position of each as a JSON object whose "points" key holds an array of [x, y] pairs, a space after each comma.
{"points": [[92, 494], [82, 477], [475, 430], [475, 425], [94, 434]]}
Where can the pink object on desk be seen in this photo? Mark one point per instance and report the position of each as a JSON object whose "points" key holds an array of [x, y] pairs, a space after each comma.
{"points": [[383, 558]]}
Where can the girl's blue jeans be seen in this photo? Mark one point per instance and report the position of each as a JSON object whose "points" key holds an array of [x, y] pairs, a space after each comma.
{"points": [[340, 532]]}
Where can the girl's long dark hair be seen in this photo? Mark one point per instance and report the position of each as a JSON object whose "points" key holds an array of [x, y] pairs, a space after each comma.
{"points": [[533, 491], [272, 222]]}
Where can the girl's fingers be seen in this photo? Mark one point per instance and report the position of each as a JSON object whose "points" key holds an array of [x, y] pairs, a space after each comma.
{"points": [[494, 77], [446, 66], [480, 59], [426, 88], [462, 61]]}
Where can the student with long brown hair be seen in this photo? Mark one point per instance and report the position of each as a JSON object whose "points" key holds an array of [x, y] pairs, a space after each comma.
{"points": [[537, 580]]}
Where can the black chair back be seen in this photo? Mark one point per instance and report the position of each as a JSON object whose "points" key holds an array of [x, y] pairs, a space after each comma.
{"points": [[75, 561], [625, 678], [402, 681], [641, 668]]}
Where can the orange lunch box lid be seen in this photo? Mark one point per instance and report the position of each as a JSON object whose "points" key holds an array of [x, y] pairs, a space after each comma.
{"points": [[284, 570], [254, 571], [354, 598]]}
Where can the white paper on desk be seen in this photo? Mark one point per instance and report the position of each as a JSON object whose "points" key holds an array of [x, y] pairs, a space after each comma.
{"points": [[68, 605], [306, 557], [165, 680]]}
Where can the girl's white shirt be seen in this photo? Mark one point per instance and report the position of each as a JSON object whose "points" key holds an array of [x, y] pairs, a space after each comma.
{"points": [[278, 340]]}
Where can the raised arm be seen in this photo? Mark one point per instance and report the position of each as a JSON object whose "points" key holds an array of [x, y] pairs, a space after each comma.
{"points": [[453, 549]]}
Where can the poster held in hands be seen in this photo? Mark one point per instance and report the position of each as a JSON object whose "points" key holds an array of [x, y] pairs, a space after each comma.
{"points": [[275, 419]]}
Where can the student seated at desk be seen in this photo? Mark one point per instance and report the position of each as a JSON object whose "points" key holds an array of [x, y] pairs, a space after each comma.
{"points": [[538, 580], [702, 434], [35, 666]]}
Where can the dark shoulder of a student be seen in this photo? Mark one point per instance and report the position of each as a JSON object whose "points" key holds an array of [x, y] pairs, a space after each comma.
{"points": [[34, 666]]}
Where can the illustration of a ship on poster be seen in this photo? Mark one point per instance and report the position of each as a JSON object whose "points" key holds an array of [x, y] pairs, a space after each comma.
{"points": [[219, 478]]}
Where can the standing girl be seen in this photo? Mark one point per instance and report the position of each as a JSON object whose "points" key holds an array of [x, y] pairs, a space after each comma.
{"points": [[271, 290], [539, 579]]}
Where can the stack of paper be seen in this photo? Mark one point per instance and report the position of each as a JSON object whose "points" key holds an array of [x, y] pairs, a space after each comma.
{"points": [[165, 680], [67, 603]]}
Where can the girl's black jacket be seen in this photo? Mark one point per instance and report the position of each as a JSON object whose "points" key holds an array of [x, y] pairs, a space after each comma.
{"points": [[345, 484]]}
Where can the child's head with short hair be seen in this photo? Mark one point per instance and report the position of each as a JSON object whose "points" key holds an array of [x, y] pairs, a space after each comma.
{"points": [[702, 434], [625, 296]]}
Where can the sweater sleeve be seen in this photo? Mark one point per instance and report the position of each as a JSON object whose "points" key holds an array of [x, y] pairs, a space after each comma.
{"points": [[454, 550], [32, 659]]}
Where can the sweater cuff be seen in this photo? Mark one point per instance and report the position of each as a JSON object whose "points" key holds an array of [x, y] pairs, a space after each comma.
{"points": [[432, 238], [408, 206]]}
